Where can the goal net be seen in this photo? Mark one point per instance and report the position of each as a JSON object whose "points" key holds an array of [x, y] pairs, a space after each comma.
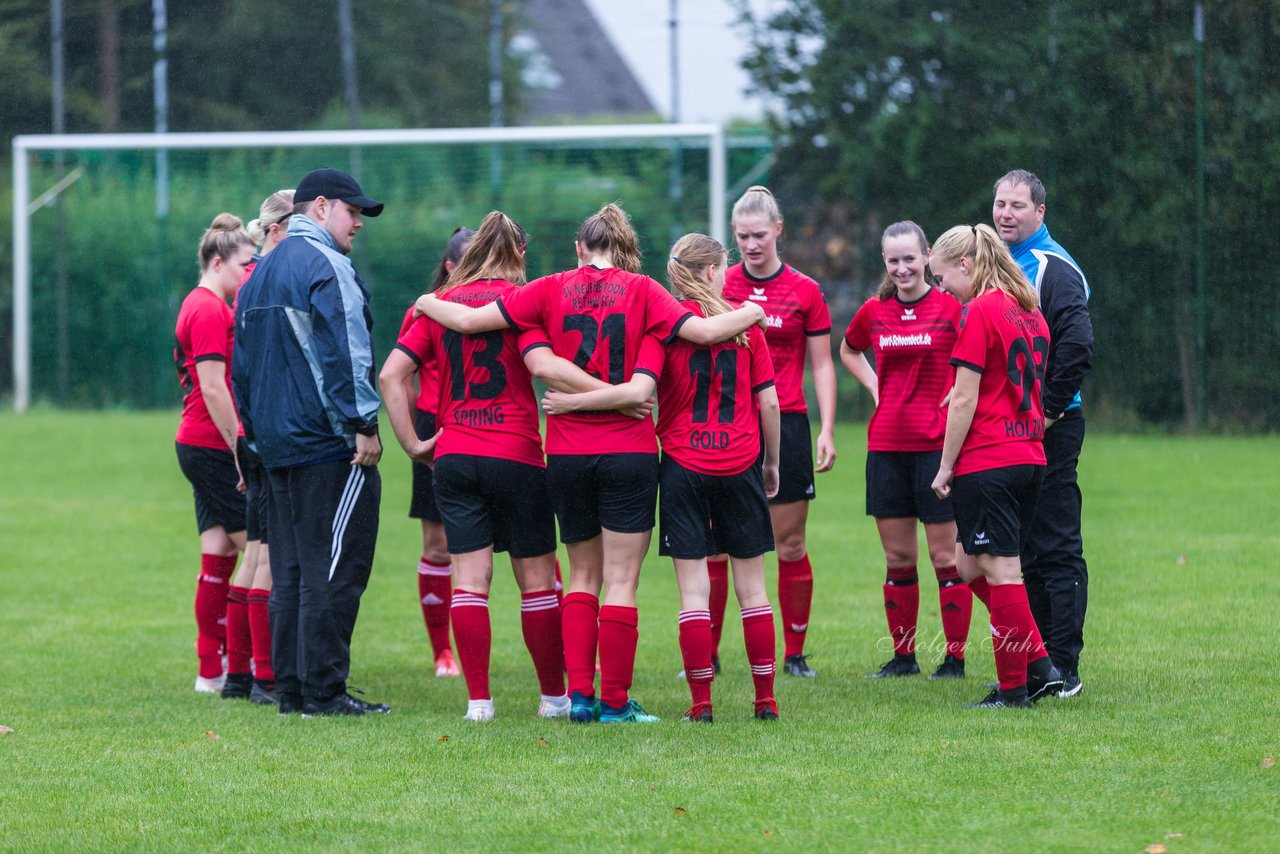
{"points": [[105, 250]]}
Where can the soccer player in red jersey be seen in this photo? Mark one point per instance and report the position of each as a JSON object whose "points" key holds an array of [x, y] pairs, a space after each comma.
{"points": [[249, 672], [602, 468], [799, 325], [207, 433], [910, 328], [435, 576], [489, 475], [713, 404], [992, 456]]}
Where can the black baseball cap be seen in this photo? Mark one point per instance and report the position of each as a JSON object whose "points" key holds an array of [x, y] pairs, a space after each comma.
{"points": [[334, 184]]}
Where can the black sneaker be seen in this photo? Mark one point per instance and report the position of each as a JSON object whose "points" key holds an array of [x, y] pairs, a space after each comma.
{"points": [[237, 686], [997, 699], [344, 704], [290, 704], [264, 693], [1071, 686], [950, 668], [795, 665], [1043, 680], [899, 665]]}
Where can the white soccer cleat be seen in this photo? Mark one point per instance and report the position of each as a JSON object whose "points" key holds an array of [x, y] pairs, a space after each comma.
{"points": [[210, 686], [479, 711], [554, 707]]}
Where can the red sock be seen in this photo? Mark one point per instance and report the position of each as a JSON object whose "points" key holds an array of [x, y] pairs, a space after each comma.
{"points": [[982, 590], [211, 611], [1011, 628], [540, 622], [260, 629], [618, 637], [559, 584], [470, 614], [434, 592], [795, 596], [695, 648], [956, 603], [239, 639], [718, 572], [757, 634], [579, 617], [1035, 643], [902, 607]]}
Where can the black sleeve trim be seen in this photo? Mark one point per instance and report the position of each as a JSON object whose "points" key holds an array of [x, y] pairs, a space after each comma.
{"points": [[410, 354], [370, 429], [534, 346], [502, 308], [675, 330], [961, 363], [210, 357], [816, 332], [764, 385], [647, 373]]}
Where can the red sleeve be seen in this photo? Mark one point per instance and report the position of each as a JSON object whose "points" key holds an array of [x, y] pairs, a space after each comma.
{"points": [[653, 355], [817, 317], [209, 337], [858, 335], [408, 321], [525, 307], [971, 344], [663, 313], [534, 336], [417, 341], [761, 361]]}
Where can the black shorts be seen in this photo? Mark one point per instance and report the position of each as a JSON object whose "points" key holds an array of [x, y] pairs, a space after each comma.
{"points": [[795, 460], [423, 503], [595, 491], [486, 501], [213, 479], [257, 496], [704, 515], [994, 509], [900, 484]]}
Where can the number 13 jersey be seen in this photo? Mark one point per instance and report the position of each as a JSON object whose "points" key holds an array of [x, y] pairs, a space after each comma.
{"points": [[708, 416], [485, 401], [597, 319]]}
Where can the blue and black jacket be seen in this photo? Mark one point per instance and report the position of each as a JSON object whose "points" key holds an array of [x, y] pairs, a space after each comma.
{"points": [[1064, 301], [302, 365]]}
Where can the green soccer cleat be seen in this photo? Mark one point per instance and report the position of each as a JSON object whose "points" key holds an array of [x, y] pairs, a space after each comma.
{"points": [[631, 713]]}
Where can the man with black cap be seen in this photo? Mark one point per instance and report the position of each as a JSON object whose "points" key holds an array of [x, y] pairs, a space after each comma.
{"points": [[306, 387]]}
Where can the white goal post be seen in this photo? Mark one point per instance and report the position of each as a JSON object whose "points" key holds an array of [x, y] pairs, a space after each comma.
{"points": [[711, 136]]}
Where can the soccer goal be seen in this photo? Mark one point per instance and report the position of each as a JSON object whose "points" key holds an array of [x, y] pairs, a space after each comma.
{"points": [[104, 250]]}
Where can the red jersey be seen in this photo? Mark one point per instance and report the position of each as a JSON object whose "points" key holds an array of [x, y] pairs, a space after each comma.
{"points": [[428, 372], [485, 401], [795, 309], [1009, 346], [912, 343], [597, 319], [204, 333], [708, 415]]}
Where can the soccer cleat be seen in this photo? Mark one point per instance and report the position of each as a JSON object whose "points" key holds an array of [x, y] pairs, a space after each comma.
{"points": [[264, 693], [1071, 686], [446, 665], [795, 665], [1043, 681], [290, 704], [343, 704], [554, 707], [899, 665], [479, 711], [583, 709], [699, 714], [997, 699], [767, 709], [715, 663], [237, 686], [950, 668], [631, 713], [210, 686]]}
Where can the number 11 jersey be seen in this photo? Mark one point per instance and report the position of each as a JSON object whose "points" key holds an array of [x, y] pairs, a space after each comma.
{"points": [[597, 319]]}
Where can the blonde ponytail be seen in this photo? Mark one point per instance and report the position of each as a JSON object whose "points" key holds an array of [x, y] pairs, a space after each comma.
{"points": [[687, 267]]}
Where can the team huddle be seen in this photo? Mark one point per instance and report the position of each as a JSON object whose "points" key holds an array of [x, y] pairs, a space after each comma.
{"points": [[279, 437]]}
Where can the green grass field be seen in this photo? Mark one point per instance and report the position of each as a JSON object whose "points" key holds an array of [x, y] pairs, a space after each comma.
{"points": [[111, 749]]}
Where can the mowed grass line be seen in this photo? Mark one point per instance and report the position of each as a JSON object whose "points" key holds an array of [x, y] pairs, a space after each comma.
{"points": [[111, 747]]}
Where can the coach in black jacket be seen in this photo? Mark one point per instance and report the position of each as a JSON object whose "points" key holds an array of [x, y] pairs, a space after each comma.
{"points": [[1053, 564]]}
